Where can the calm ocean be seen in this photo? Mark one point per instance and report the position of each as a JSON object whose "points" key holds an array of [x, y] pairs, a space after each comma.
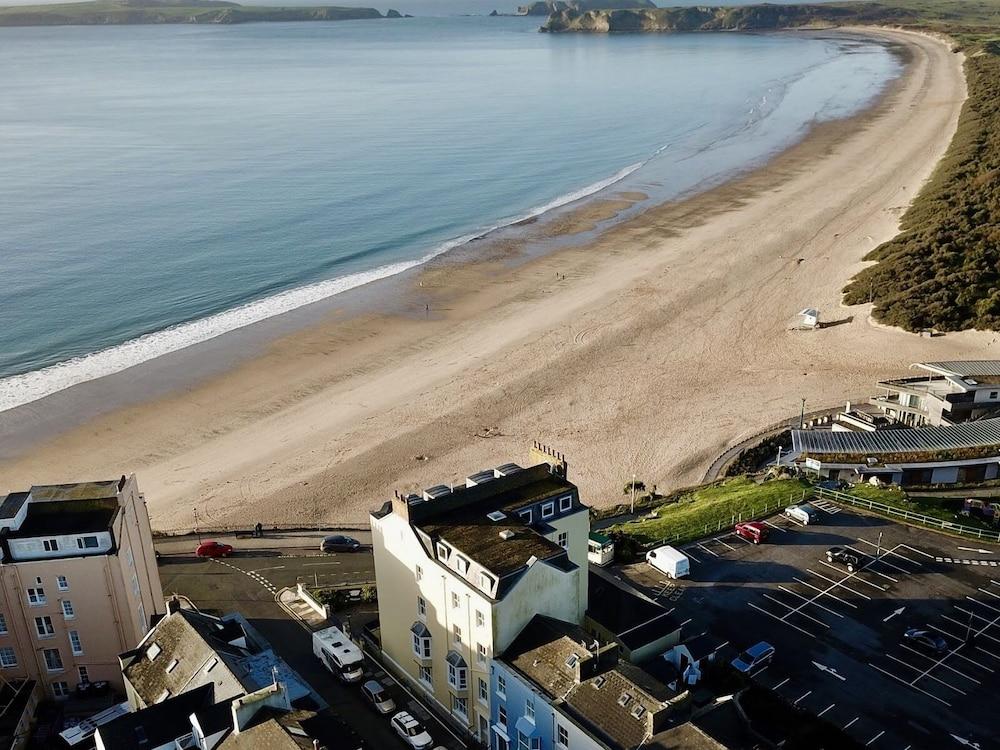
{"points": [[162, 185]]}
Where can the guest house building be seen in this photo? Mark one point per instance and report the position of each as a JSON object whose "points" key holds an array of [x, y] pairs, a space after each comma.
{"points": [[78, 582], [461, 570], [946, 393]]}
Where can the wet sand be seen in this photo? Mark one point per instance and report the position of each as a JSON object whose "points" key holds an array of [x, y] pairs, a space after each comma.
{"points": [[647, 348]]}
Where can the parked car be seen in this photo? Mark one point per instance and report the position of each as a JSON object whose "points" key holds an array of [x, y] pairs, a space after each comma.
{"points": [[375, 692], [754, 658], [411, 731], [926, 641], [752, 531], [339, 543], [850, 558], [214, 549], [804, 514]]}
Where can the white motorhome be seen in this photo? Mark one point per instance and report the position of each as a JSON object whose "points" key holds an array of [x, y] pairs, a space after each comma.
{"points": [[668, 560], [339, 654]]}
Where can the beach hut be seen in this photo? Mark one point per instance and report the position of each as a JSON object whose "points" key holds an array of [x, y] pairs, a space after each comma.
{"points": [[809, 318]]}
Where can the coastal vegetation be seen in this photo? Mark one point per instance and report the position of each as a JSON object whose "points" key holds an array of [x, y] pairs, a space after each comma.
{"points": [[114, 12], [942, 271]]}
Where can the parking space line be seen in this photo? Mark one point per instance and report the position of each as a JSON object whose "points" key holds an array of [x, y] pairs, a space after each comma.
{"points": [[832, 596], [912, 683], [966, 625], [904, 682], [851, 722], [775, 526], [988, 653], [706, 549], [737, 536], [946, 666], [803, 697], [874, 738], [687, 551], [794, 610], [841, 581], [987, 606], [960, 655], [811, 601], [826, 709], [775, 688], [774, 616], [918, 551], [719, 540], [990, 593]]}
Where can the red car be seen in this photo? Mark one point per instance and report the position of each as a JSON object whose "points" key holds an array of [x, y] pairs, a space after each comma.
{"points": [[752, 531], [214, 549]]}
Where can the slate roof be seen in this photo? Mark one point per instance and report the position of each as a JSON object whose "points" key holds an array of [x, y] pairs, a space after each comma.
{"points": [[156, 725], [598, 702], [12, 504], [977, 434], [541, 652]]}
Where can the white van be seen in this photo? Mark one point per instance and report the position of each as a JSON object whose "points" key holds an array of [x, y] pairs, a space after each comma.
{"points": [[669, 560], [339, 654]]}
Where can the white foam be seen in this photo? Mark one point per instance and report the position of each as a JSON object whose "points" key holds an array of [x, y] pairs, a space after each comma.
{"points": [[18, 390]]}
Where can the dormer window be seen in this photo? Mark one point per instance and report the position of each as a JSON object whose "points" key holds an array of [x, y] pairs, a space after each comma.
{"points": [[462, 564], [548, 509], [526, 515], [444, 551], [565, 503], [486, 582], [625, 699]]}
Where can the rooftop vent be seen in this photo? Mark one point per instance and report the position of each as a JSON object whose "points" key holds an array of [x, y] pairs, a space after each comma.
{"points": [[480, 477], [496, 515], [414, 499], [532, 560], [506, 470], [871, 460], [572, 661], [638, 712], [507, 534], [624, 699], [438, 490], [599, 682]]}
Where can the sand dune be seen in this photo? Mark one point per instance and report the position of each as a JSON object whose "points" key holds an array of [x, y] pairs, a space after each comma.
{"points": [[667, 340]]}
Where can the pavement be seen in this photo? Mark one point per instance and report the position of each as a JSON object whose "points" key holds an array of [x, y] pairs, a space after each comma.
{"points": [[257, 581], [837, 634], [244, 542]]}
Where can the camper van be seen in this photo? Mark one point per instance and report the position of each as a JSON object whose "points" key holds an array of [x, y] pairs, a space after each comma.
{"points": [[668, 560], [339, 654]]}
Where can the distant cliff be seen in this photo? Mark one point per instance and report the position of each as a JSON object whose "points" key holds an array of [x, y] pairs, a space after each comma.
{"points": [[739, 18], [548, 7], [113, 12]]}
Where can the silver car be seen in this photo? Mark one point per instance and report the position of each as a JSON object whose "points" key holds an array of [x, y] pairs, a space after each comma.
{"points": [[378, 696]]}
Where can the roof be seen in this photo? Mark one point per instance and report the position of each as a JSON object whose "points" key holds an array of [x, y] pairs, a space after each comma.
{"points": [[544, 651], [703, 645], [599, 538], [634, 619], [67, 517], [200, 645], [267, 735], [156, 725], [12, 504], [982, 368], [610, 703], [460, 518], [76, 491], [683, 737], [978, 434]]}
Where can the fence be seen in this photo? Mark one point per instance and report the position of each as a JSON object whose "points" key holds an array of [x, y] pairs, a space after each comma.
{"points": [[918, 518]]}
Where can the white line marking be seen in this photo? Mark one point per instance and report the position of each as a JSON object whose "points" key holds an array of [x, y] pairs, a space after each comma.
{"points": [[806, 695], [919, 690], [773, 526], [706, 549], [775, 688], [918, 551], [731, 549], [990, 593], [795, 610], [687, 551], [826, 709], [851, 722], [737, 536], [849, 576], [946, 666], [791, 625], [874, 738], [832, 596], [987, 606], [811, 601]]}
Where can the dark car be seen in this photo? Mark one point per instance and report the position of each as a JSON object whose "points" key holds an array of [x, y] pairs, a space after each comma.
{"points": [[214, 549], [850, 558], [926, 641], [339, 543]]}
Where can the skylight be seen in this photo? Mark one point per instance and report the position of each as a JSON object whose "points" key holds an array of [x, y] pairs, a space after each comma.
{"points": [[496, 515], [153, 651]]}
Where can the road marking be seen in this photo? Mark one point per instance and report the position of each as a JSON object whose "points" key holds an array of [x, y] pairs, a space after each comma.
{"points": [[706, 549], [946, 666], [795, 610], [775, 688], [832, 596], [851, 722], [895, 613], [774, 526], [841, 581], [918, 551], [990, 593], [316, 565], [904, 682], [687, 551], [719, 540], [966, 626], [803, 697], [826, 709], [789, 624], [967, 743], [276, 567], [810, 601], [737, 536], [977, 550], [987, 606], [829, 670], [874, 738]]}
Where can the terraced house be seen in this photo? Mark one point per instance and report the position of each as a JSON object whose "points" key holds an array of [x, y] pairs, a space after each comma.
{"points": [[461, 570], [78, 582]]}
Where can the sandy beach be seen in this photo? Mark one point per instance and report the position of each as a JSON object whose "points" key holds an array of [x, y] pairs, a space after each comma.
{"points": [[646, 350]]}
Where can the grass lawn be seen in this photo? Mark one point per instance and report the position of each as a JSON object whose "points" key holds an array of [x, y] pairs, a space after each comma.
{"points": [[712, 507], [941, 508]]}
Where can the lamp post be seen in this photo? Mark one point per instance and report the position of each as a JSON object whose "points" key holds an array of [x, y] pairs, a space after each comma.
{"points": [[196, 524], [632, 508], [802, 415]]}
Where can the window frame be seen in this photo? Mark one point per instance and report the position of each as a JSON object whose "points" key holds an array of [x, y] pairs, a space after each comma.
{"points": [[548, 509], [50, 545], [502, 686], [38, 592], [562, 735], [45, 658], [75, 647], [563, 539], [565, 503], [67, 604], [62, 583], [4, 650], [83, 542], [44, 628]]}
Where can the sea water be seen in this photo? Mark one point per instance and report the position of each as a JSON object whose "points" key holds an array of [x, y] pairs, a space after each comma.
{"points": [[162, 185]]}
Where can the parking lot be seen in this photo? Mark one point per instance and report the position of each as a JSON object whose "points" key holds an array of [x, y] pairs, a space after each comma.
{"points": [[838, 634]]}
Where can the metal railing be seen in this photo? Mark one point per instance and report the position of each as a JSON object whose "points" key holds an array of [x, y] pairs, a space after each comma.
{"points": [[917, 518]]}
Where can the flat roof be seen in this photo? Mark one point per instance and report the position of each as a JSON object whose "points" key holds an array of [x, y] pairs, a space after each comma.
{"points": [[981, 368], [67, 517], [633, 619], [76, 490], [12, 504], [978, 434]]}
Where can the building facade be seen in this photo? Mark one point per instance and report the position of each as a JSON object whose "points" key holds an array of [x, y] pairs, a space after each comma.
{"points": [[78, 582], [461, 570], [949, 393]]}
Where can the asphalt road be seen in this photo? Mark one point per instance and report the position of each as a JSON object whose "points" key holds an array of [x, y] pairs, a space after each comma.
{"points": [[248, 582], [837, 634]]}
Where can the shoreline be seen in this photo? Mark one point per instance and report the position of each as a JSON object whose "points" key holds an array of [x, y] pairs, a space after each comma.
{"points": [[325, 422]]}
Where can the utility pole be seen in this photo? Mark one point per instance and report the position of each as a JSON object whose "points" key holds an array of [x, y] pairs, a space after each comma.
{"points": [[878, 546], [778, 461], [632, 509], [802, 415]]}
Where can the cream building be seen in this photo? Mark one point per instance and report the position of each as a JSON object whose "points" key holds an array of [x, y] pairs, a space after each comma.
{"points": [[461, 570], [78, 582]]}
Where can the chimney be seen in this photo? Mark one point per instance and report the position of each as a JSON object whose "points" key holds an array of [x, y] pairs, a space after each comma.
{"points": [[543, 454], [173, 605]]}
